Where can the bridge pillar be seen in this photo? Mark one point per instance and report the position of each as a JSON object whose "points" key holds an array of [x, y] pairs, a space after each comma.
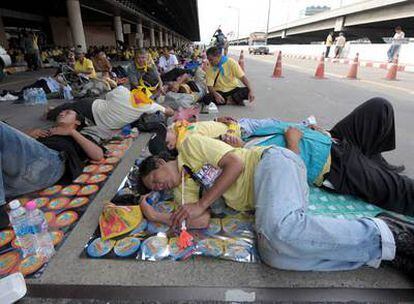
{"points": [[140, 34], [76, 25], [339, 24], [119, 35]]}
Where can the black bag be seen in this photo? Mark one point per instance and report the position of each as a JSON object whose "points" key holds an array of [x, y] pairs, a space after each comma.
{"points": [[149, 122]]}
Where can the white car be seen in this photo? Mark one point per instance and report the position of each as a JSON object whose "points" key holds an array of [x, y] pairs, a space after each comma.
{"points": [[5, 61]]}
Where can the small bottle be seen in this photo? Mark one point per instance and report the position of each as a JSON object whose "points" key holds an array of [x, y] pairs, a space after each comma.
{"points": [[41, 237], [153, 198], [126, 131], [18, 220], [212, 111], [311, 120]]}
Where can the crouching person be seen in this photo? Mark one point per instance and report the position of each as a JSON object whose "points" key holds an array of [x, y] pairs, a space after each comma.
{"points": [[36, 160], [272, 180]]}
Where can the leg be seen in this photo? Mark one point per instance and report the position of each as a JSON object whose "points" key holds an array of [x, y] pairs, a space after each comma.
{"points": [[289, 238], [370, 127], [25, 164], [237, 95], [83, 106], [251, 125], [354, 173]]}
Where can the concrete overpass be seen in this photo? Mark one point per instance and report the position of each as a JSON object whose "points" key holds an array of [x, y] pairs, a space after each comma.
{"points": [[372, 19]]}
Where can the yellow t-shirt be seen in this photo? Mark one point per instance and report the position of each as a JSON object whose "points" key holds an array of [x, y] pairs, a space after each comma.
{"points": [[228, 81], [85, 66], [198, 150]]}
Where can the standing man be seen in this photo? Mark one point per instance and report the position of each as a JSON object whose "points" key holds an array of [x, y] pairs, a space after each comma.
{"points": [[223, 79], [328, 43], [395, 47], [340, 44]]}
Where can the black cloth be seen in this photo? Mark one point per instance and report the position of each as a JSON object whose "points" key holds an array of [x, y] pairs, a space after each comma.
{"points": [[75, 156], [355, 169], [174, 74], [83, 107], [238, 95]]}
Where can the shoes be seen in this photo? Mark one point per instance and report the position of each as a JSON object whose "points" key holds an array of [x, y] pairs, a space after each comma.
{"points": [[403, 232], [8, 96], [382, 161]]}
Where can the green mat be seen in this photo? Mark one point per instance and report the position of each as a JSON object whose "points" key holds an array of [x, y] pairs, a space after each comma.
{"points": [[324, 203]]}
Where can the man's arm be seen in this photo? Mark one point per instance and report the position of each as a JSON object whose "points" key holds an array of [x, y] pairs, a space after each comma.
{"points": [[293, 137], [217, 97], [246, 82]]}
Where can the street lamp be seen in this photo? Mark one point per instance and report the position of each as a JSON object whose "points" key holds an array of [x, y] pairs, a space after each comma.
{"points": [[267, 25], [238, 21]]}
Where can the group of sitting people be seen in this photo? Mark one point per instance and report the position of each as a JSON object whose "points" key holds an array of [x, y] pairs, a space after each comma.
{"points": [[263, 165]]}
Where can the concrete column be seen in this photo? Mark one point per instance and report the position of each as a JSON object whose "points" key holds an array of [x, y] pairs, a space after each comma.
{"points": [[119, 35], [3, 39], [76, 25], [167, 43], [152, 36], [339, 24], [161, 38], [140, 34]]}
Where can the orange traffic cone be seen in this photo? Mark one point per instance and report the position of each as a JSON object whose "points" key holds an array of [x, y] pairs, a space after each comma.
{"points": [[392, 71], [320, 69], [241, 60], [277, 72], [353, 71]]}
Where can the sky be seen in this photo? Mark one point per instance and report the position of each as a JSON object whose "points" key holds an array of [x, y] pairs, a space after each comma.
{"points": [[253, 14]]}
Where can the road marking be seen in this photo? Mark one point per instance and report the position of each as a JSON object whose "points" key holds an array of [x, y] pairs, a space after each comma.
{"points": [[387, 86]]}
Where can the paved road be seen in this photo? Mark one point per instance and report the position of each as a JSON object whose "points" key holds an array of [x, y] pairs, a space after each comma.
{"points": [[299, 95]]}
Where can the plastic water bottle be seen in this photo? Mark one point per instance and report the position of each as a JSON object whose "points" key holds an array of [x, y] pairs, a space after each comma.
{"points": [[41, 237], [153, 198], [41, 94], [21, 227], [67, 93], [126, 130], [212, 111]]}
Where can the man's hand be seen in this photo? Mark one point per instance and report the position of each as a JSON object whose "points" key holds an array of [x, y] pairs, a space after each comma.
{"points": [[251, 96], [186, 212], [293, 137], [169, 112], [226, 120], [37, 133], [64, 131], [219, 99], [232, 140]]}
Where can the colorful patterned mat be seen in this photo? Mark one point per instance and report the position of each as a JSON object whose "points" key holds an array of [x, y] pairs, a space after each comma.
{"points": [[229, 236], [63, 207]]}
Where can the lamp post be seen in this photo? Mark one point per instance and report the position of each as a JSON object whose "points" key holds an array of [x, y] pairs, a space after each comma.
{"points": [[238, 22], [268, 17]]}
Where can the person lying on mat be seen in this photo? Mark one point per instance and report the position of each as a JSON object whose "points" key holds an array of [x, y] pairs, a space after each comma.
{"points": [[40, 158], [347, 159], [272, 181]]}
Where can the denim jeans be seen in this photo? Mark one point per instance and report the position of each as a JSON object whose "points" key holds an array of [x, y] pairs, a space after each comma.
{"points": [[392, 51], [289, 238], [26, 165]]}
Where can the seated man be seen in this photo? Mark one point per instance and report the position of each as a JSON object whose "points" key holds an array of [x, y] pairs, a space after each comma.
{"points": [[84, 66], [43, 157], [272, 181], [350, 163], [119, 108], [103, 68], [143, 69], [223, 78]]}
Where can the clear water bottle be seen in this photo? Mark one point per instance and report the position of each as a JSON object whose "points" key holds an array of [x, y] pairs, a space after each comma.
{"points": [[41, 96], [21, 227], [41, 237], [212, 111]]}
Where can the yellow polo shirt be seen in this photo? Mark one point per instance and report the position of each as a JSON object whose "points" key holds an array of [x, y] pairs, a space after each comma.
{"points": [[198, 150], [228, 81], [85, 66]]}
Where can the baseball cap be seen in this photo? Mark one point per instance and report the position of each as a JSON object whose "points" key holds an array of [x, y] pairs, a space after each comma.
{"points": [[157, 143]]}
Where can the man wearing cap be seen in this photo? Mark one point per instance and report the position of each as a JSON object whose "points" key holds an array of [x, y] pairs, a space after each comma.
{"points": [[40, 158]]}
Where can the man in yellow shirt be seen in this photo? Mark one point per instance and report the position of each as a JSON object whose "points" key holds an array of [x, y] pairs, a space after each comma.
{"points": [[272, 181], [84, 65], [328, 43], [224, 78]]}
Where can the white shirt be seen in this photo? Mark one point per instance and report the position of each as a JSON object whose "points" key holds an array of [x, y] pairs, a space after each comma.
{"points": [[340, 41], [117, 110], [167, 65], [398, 38]]}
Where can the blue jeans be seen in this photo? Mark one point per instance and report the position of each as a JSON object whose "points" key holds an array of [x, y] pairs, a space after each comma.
{"points": [[392, 51], [26, 165], [289, 238]]}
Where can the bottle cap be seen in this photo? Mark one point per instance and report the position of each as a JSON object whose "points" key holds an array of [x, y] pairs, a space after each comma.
{"points": [[14, 204], [31, 205]]}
